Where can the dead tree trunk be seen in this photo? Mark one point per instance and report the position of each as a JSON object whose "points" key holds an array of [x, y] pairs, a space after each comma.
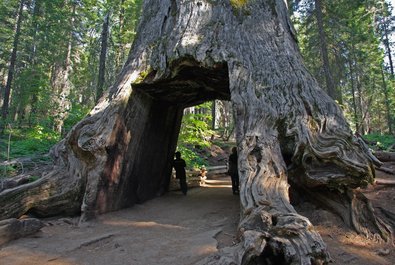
{"points": [[287, 129]]}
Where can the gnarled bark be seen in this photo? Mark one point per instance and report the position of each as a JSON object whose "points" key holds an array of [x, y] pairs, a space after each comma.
{"points": [[287, 128]]}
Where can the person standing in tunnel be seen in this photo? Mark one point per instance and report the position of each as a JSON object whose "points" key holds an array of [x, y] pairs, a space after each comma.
{"points": [[233, 171], [179, 165]]}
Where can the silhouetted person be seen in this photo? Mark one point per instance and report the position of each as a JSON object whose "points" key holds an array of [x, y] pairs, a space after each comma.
{"points": [[179, 165], [233, 171]]}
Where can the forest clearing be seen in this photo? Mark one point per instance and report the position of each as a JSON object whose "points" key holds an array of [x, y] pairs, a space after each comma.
{"points": [[102, 100]]}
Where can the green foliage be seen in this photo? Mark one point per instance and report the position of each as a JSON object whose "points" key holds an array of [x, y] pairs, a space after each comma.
{"points": [[195, 133], [194, 130], [383, 142], [77, 113], [48, 29], [33, 178], [7, 171], [29, 141], [191, 157], [195, 126], [238, 3], [355, 32]]}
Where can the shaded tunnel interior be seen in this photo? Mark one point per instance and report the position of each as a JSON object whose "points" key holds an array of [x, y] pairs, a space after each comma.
{"points": [[160, 109], [190, 84]]}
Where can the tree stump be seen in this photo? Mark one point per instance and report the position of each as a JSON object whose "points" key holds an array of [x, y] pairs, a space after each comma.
{"points": [[288, 130]]}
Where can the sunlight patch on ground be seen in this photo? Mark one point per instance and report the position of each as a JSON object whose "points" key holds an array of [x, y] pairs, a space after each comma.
{"points": [[147, 224], [207, 185], [205, 249], [211, 183]]}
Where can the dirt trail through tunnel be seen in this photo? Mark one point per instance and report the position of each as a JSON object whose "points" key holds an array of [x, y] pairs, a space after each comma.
{"points": [[173, 229]]}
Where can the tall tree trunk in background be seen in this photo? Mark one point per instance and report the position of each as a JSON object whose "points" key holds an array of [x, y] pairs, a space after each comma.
{"points": [[387, 45], [288, 131], [213, 114], [2, 85], [103, 56], [354, 100], [386, 102], [330, 86], [33, 52], [225, 119], [361, 128], [11, 69], [61, 83], [121, 49]]}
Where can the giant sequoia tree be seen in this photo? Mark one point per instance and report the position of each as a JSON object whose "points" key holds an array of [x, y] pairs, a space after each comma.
{"points": [[289, 132]]}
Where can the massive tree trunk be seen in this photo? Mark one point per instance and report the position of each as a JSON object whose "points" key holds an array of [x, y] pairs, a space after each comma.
{"points": [[288, 130]]}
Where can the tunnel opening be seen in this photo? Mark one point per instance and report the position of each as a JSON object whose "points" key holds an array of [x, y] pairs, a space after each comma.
{"points": [[162, 102]]}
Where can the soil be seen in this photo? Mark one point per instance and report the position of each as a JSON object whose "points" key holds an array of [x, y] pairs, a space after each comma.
{"points": [[177, 229]]}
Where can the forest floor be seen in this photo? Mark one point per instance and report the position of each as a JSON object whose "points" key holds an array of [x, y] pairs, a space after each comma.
{"points": [[177, 230]]}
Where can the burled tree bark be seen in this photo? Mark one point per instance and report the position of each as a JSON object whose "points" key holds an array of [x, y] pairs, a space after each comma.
{"points": [[288, 130]]}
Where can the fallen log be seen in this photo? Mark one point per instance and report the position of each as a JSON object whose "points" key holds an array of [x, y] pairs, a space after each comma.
{"points": [[386, 170], [9, 183], [385, 156], [26, 160], [380, 181], [13, 228]]}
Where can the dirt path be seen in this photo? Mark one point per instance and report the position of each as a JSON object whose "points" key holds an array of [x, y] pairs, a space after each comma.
{"points": [[173, 229]]}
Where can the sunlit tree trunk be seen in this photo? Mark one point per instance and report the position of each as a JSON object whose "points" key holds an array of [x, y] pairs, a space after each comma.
{"points": [[61, 80], [387, 45]]}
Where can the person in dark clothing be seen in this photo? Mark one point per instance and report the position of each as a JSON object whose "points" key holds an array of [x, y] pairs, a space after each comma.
{"points": [[179, 165], [233, 171]]}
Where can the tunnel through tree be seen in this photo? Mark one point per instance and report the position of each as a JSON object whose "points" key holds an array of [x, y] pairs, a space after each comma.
{"points": [[287, 129]]}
